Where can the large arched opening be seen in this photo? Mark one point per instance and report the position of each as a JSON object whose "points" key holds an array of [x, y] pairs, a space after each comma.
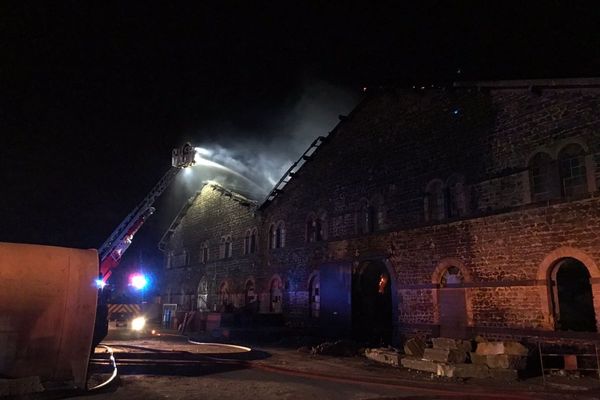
{"points": [[275, 295], [372, 316], [572, 300]]}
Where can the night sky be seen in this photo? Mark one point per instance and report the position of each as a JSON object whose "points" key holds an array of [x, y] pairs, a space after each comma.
{"points": [[94, 98]]}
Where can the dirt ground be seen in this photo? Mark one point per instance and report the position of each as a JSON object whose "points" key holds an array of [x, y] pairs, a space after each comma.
{"points": [[170, 367]]}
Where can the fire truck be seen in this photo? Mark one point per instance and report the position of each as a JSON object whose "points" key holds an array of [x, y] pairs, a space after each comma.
{"points": [[114, 247]]}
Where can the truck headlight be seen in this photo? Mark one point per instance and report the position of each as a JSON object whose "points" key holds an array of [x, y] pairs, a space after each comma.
{"points": [[137, 324]]}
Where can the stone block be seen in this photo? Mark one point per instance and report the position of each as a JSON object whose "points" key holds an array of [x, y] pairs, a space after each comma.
{"points": [[441, 355], [494, 348], [414, 347], [452, 344], [506, 361], [504, 374], [464, 371], [383, 356], [477, 358], [420, 365]]}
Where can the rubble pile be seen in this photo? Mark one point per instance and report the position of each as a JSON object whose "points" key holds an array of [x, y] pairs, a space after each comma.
{"points": [[341, 348], [454, 358], [389, 356]]}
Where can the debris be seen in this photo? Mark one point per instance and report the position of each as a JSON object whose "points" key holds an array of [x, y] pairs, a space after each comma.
{"points": [[494, 348], [384, 356], [506, 361], [441, 355], [452, 344], [420, 365], [343, 348], [414, 347]]}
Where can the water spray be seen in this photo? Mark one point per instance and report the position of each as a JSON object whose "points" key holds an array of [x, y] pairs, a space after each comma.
{"points": [[200, 160]]}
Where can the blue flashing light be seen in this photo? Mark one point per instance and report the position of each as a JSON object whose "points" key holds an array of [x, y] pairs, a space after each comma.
{"points": [[455, 111], [138, 281], [100, 283]]}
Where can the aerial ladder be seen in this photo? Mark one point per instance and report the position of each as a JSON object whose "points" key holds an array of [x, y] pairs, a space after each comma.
{"points": [[114, 247]]}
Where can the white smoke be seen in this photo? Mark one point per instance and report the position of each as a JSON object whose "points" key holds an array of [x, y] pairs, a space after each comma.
{"points": [[263, 157]]}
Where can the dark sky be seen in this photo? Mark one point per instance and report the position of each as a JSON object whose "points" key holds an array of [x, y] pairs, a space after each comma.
{"points": [[94, 98]]}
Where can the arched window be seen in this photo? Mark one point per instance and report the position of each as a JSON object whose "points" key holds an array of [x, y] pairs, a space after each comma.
{"points": [[542, 175], [226, 246], [310, 228], [434, 201], [202, 299], [247, 242], [253, 240], [280, 235], [272, 236], [250, 295], [316, 227], [452, 306], [365, 217], [204, 253], [275, 295], [223, 297], [377, 214], [571, 164], [456, 204]]}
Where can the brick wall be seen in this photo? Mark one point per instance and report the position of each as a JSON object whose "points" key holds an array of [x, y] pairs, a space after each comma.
{"points": [[390, 148]]}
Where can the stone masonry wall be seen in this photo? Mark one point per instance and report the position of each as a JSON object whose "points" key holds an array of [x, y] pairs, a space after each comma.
{"points": [[387, 151]]}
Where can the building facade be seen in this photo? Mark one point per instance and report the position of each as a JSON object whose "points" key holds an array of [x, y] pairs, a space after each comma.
{"points": [[459, 211]]}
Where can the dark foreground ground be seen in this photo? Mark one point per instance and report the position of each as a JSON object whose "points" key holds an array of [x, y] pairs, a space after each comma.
{"points": [[170, 367]]}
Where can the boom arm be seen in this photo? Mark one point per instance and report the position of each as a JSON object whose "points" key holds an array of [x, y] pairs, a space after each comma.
{"points": [[117, 243]]}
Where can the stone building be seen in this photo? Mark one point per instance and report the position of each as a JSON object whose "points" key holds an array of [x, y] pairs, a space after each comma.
{"points": [[457, 211]]}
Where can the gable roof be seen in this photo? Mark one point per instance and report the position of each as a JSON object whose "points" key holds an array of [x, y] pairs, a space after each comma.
{"points": [[243, 200]]}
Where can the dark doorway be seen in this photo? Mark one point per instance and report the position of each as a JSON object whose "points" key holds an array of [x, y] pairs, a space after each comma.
{"points": [[452, 305], [372, 303], [572, 298], [314, 297], [335, 309]]}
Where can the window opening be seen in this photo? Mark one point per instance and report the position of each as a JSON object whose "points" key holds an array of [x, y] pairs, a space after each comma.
{"points": [[572, 171]]}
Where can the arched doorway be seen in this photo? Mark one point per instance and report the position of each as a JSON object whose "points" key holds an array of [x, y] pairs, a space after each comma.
{"points": [[250, 296], [275, 296], [572, 298], [224, 300], [202, 295], [372, 303], [314, 296], [452, 304]]}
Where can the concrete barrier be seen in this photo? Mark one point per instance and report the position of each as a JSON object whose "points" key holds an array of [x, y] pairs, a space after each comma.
{"points": [[47, 311]]}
